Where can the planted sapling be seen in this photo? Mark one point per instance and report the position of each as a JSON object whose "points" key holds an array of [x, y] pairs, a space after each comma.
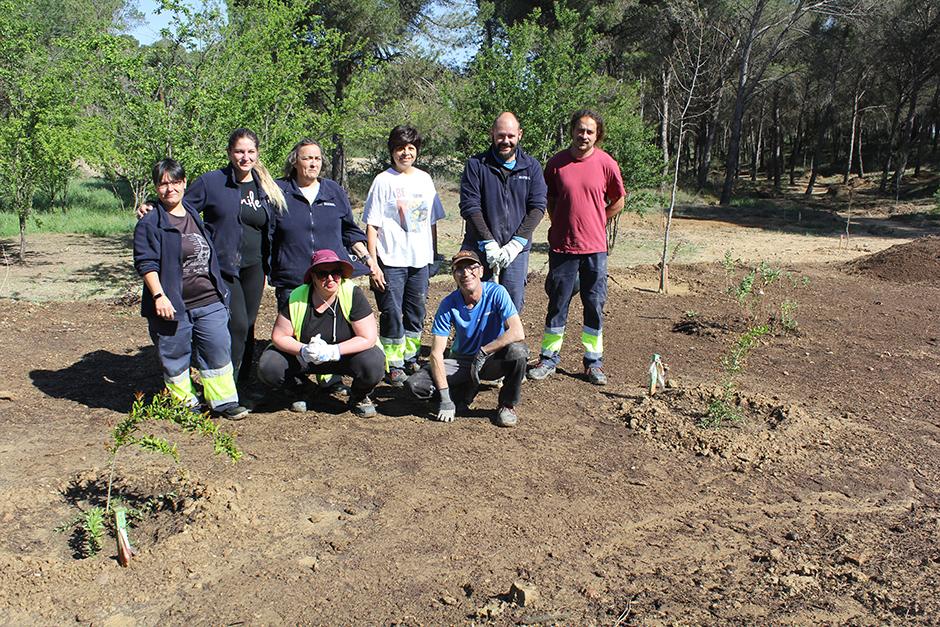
{"points": [[127, 433]]}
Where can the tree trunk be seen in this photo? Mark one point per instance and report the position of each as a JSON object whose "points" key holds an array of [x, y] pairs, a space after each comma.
{"points": [[338, 162], [797, 147], [776, 154], [820, 123], [741, 98], [861, 165], [755, 155], [664, 135], [934, 118], [138, 190], [904, 142], [849, 157], [813, 172], [22, 238], [886, 166], [708, 128]]}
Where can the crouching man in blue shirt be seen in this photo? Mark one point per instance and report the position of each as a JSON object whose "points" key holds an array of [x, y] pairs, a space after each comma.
{"points": [[488, 344]]}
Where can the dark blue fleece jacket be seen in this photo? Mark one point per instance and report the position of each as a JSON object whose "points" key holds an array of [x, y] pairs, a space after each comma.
{"points": [[504, 197], [303, 228], [216, 195], [158, 247]]}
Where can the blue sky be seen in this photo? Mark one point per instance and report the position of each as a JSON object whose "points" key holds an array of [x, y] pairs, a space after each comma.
{"points": [[148, 31]]}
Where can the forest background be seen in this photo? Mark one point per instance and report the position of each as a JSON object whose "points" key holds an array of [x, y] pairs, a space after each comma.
{"points": [[697, 94]]}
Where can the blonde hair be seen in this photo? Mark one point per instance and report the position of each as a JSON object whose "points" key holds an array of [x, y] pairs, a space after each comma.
{"points": [[270, 188]]}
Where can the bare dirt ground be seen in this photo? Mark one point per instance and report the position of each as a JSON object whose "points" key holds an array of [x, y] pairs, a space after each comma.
{"points": [[822, 506]]}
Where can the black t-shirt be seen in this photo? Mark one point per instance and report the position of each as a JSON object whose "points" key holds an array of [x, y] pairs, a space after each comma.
{"points": [[254, 218], [198, 290], [331, 318]]}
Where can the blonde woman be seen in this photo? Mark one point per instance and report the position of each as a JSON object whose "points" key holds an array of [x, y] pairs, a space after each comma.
{"points": [[238, 204]]}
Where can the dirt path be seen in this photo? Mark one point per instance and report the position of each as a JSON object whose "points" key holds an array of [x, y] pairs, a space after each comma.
{"points": [[81, 267], [823, 506]]}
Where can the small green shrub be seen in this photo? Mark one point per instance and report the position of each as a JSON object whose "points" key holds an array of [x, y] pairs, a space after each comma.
{"points": [[93, 527], [128, 433]]}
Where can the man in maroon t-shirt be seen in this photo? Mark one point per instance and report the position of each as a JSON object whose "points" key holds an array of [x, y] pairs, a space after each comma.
{"points": [[585, 190]]}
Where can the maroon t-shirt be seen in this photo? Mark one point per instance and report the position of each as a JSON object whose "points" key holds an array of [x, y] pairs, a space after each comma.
{"points": [[581, 189]]}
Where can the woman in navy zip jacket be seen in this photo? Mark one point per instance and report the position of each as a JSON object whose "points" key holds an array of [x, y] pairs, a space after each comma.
{"points": [[318, 217], [184, 296], [238, 204]]}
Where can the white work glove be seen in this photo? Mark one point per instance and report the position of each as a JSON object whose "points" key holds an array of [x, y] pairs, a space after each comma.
{"points": [[493, 253], [446, 410], [510, 251], [328, 352], [311, 350]]}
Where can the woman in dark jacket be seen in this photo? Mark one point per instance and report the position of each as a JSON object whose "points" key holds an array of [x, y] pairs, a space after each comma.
{"points": [[318, 217], [184, 296], [239, 204]]}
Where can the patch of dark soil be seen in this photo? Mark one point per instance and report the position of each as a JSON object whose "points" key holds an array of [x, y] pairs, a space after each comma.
{"points": [[159, 505], [914, 262], [695, 325]]}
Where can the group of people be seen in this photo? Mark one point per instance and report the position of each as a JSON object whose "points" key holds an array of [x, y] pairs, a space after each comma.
{"points": [[204, 253]]}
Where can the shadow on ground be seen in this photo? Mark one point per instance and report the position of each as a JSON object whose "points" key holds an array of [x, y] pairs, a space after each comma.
{"points": [[102, 379]]}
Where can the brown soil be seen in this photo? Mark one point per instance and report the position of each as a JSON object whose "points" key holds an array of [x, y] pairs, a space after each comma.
{"points": [[912, 262], [821, 506]]}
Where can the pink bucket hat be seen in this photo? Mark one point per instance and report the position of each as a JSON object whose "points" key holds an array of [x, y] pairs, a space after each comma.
{"points": [[323, 257]]}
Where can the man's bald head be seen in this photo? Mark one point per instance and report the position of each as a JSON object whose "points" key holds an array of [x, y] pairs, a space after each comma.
{"points": [[505, 134]]}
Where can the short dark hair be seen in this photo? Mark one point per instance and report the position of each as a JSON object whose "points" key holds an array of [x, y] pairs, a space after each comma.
{"points": [[172, 167], [587, 113], [402, 136], [240, 133]]}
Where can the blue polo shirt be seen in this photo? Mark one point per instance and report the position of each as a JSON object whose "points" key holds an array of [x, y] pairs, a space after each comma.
{"points": [[476, 327]]}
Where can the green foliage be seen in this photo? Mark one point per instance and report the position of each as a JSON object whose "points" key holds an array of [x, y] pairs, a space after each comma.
{"points": [[127, 433], [936, 202], [754, 293], [182, 96], [89, 221], [543, 74], [750, 287], [733, 361], [164, 407], [721, 410], [413, 91], [39, 107], [93, 529], [788, 316]]}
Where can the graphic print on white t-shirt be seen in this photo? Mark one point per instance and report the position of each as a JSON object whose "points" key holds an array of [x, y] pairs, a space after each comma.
{"points": [[410, 208]]}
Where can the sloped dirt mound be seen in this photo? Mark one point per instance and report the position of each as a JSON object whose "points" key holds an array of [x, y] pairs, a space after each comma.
{"points": [[673, 419], [913, 262]]}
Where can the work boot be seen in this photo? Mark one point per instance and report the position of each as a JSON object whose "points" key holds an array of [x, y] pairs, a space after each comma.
{"points": [[506, 417], [396, 377], [364, 408], [595, 375], [232, 412], [541, 370]]}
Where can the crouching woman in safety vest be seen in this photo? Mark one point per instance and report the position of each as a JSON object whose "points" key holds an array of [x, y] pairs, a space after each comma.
{"points": [[184, 298], [327, 327]]}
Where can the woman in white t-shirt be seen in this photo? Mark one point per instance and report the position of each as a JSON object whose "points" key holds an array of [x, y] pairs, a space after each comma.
{"points": [[400, 215]]}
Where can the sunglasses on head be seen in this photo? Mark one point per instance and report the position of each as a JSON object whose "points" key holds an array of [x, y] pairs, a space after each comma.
{"points": [[336, 273]]}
